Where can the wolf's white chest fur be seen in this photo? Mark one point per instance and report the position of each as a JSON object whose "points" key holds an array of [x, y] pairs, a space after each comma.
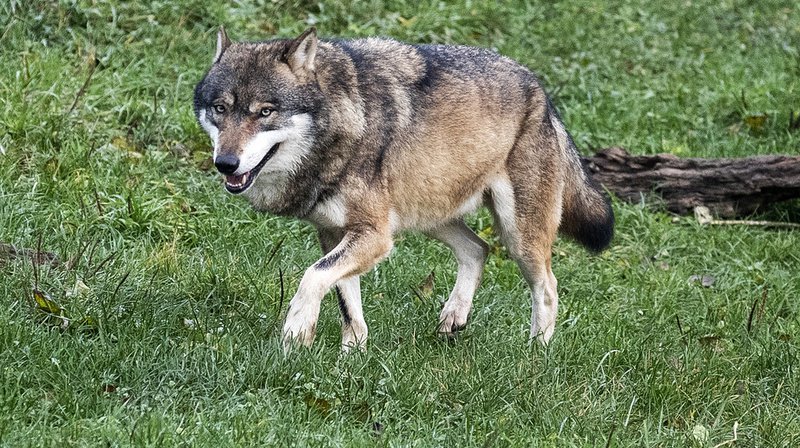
{"points": [[331, 213]]}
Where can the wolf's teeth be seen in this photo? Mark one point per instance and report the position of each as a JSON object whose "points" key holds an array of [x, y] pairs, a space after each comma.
{"points": [[239, 182]]}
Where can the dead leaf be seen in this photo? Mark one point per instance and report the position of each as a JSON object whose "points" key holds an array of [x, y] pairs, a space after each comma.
{"points": [[362, 412], [179, 150], [756, 122], [170, 186], [711, 341], [794, 121], [318, 404], [708, 339], [408, 23], [88, 325], [46, 304], [487, 233], [703, 214], [700, 434], [53, 314], [123, 144], [79, 290], [426, 287], [203, 160], [705, 281]]}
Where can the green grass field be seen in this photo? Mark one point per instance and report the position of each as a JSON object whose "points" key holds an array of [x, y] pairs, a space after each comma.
{"points": [[175, 290]]}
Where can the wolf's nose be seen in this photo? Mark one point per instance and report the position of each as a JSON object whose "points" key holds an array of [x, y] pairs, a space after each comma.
{"points": [[226, 163]]}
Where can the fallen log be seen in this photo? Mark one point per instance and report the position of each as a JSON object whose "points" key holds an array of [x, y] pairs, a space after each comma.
{"points": [[728, 187], [11, 252]]}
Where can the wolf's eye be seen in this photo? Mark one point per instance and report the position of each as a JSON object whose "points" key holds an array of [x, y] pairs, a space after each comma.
{"points": [[266, 112], [219, 108]]}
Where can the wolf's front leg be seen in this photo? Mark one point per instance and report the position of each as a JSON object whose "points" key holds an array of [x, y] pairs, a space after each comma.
{"points": [[359, 250], [354, 327], [348, 292]]}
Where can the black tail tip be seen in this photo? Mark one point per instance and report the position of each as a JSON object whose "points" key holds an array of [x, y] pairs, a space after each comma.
{"points": [[597, 236], [594, 233]]}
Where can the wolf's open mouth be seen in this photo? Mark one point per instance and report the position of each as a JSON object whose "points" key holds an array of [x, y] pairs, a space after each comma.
{"points": [[237, 184]]}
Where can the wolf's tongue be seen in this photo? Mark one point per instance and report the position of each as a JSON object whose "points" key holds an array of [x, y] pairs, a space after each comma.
{"points": [[236, 180]]}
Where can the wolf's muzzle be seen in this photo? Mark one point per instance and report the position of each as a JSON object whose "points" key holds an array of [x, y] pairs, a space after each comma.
{"points": [[226, 163]]}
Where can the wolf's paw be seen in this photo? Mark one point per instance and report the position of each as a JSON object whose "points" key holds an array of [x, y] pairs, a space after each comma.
{"points": [[542, 335], [354, 339], [298, 330], [452, 319]]}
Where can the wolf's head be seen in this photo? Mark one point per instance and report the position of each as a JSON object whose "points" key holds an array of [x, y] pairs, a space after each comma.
{"points": [[259, 103]]}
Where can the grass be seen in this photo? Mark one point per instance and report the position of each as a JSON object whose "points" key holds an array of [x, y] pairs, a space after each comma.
{"points": [[173, 287]]}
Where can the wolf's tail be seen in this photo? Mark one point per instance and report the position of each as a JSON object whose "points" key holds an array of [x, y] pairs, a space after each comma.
{"points": [[586, 214]]}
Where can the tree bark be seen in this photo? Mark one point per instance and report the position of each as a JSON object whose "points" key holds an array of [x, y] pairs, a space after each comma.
{"points": [[728, 187]]}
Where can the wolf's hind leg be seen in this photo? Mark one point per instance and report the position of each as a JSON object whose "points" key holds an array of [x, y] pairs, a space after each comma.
{"points": [[528, 229], [544, 294], [470, 252]]}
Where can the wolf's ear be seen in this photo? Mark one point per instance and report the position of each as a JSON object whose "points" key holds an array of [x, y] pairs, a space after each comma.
{"points": [[222, 43], [302, 51]]}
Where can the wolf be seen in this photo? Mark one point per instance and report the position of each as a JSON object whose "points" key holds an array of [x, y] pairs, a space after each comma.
{"points": [[367, 138]]}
